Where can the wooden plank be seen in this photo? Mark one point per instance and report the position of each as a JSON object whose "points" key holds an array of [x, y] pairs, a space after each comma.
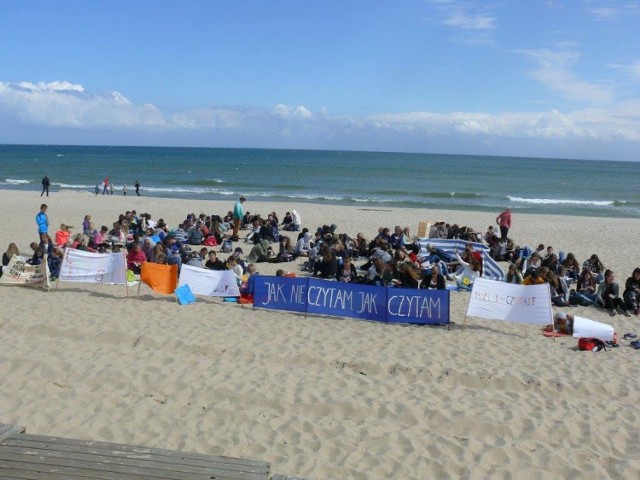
{"points": [[24, 456], [220, 465], [97, 471], [7, 430], [133, 450], [110, 463], [423, 229]]}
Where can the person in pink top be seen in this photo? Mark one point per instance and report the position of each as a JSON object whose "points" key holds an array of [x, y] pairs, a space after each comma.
{"points": [[504, 220], [136, 258]]}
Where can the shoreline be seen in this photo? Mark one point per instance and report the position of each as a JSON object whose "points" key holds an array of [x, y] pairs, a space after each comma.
{"points": [[320, 397]]}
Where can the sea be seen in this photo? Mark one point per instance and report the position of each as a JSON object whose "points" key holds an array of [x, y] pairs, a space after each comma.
{"points": [[364, 179]]}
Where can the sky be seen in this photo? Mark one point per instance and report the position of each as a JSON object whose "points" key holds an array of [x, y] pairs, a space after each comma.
{"points": [[530, 78]]}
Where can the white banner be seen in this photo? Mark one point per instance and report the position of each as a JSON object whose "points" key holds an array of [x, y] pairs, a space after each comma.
{"points": [[584, 327], [87, 267], [509, 302], [19, 272], [212, 283]]}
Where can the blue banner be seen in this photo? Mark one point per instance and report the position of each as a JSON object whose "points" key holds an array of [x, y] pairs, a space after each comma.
{"points": [[280, 293], [346, 300], [418, 306], [323, 297]]}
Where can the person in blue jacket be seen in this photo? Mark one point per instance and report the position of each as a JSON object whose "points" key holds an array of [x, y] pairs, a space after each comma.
{"points": [[42, 220]]}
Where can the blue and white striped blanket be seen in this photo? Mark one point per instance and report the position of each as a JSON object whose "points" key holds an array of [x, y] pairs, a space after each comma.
{"points": [[490, 269]]}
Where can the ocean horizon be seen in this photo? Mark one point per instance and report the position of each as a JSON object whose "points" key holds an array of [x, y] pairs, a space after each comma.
{"points": [[357, 178]]}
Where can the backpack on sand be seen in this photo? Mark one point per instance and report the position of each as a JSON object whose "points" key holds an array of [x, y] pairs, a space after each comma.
{"points": [[227, 246], [592, 344]]}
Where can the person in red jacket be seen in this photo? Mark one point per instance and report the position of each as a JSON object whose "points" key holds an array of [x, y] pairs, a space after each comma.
{"points": [[504, 220], [136, 258]]}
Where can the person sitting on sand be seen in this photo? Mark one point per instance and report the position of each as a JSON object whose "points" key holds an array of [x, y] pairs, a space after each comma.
{"points": [[232, 264], [513, 275], [631, 294], [259, 252], [347, 272], [572, 265], [303, 245], [327, 266], [63, 235], [595, 266], [470, 271], [213, 262], [608, 295], [563, 323], [12, 250], [136, 258], [54, 262], [533, 277], [559, 290], [46, 244], [433, 280]]}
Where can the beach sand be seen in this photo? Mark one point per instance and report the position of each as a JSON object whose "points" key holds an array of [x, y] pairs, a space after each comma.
{"points": [[321, 397]]}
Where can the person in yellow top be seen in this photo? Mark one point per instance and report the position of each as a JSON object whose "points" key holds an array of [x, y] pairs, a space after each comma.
{"points": [[535, 277]]}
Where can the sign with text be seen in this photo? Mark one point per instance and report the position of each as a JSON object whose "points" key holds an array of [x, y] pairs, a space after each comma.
{"points": [[418, 306], [88, 267], [280, 293], [322, 297], [346, 300], [19, 272], [509, 302], [211, 283]]}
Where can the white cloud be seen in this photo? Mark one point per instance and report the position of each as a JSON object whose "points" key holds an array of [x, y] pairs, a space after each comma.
{"points": [[59, 86], [285, 111], [470, 21], [76, 112], [633, 70], [555, 72], [604, 13]]}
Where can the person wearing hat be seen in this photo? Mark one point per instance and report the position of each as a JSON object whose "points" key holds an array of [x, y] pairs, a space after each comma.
{"points": [[238, 213]]}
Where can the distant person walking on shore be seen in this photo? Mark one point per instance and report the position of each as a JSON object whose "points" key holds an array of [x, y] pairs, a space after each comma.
{"points": [[137, 185], [42, 220], [97, 189], [111, 189], [238, 213], [504, 220], [105, 186], [124, 190], [45, 185]]}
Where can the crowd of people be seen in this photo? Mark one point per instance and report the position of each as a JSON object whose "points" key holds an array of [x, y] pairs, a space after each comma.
{"points": [[391, 258]]}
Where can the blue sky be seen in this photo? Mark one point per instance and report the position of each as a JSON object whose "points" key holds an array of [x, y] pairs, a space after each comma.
{"points": [[508, 77]]}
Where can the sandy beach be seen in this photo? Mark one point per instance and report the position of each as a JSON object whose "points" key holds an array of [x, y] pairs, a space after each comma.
{"points": [[321, 397]]}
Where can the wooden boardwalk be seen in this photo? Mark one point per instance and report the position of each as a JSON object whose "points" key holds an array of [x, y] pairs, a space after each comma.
{"points": [[30, 457]]}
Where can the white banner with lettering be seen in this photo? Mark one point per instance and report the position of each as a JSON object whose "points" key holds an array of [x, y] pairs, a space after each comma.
{"points": [[212, 283], [88, 267], [509, 302], [19, 272]]}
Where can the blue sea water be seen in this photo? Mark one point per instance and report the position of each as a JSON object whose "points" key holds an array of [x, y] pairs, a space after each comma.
{"points": [[371, 179]]}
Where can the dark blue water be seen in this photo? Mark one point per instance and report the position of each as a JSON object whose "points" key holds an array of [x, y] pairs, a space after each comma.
{"points": [[467, 182]]}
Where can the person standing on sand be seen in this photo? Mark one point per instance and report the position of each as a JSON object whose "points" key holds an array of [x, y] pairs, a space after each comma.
{"points": [[105, 186], [45, 185], [137, 185], [124, 190], [42, 220], [238, 213], [504, 220]]}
